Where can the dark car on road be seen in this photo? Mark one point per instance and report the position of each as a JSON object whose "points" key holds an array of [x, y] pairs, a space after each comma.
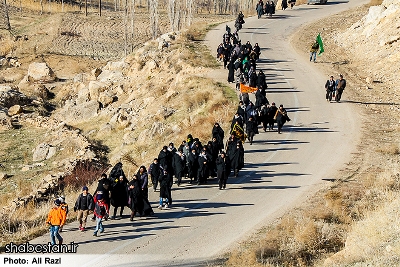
{"points": [[316, 2]]}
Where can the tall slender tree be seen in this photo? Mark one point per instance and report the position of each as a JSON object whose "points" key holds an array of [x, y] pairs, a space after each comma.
{"points": [[6, 24], [126, 28], [153, 8]]}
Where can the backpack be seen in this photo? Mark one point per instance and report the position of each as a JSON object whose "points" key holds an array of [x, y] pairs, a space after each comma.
{"points": [[102, 210]]}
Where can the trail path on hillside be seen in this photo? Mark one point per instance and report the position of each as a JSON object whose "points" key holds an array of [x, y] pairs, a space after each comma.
{"points": [[280, 170]]}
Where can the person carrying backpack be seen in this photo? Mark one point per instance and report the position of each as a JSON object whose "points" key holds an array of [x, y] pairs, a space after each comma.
{"points": [[101, 211]]}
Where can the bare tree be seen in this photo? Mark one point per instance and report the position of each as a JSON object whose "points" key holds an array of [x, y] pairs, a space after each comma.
{"points": [[189, 13], [126, 28], [41, 7], [153, 8], [171, 14], [132, 19], [6, 22]]}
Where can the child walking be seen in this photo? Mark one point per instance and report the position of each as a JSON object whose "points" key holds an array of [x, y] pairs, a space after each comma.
{"points": [[101, 210], [56, 219]]}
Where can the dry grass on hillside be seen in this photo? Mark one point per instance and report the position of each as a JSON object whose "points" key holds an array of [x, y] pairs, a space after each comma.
{"points": [[197, 103], [49, 6]]}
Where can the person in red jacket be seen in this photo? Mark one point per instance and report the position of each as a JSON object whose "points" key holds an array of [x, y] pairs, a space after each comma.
{"points": [[101, 210], [56, 219]]}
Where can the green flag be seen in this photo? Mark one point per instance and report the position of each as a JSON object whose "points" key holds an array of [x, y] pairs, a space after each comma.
{"points": [[321, 44]]}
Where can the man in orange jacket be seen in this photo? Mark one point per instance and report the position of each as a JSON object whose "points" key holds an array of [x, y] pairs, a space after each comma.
{"points": [[56, 219]]}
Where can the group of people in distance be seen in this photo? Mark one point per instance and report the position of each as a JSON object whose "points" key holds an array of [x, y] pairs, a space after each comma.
{"points": [[267, 9], [284, 4]]}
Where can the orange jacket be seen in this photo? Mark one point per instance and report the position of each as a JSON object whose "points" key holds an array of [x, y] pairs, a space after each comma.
{"points": [[57, 216]]}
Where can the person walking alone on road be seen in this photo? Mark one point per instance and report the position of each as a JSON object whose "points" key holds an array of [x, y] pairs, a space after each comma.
{"points": [[330, 88], [313, 51]]}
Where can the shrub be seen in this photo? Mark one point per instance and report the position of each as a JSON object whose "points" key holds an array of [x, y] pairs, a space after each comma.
{"points": [[84, 173]]}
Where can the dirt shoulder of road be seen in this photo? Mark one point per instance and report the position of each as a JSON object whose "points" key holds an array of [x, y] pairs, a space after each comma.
{"points": [[343, 222]]}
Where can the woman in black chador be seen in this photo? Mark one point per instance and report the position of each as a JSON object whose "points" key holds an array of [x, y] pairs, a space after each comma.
{"points": [[218, 134], [237, 159], [135, 202], [223, 170], [119, 196]]}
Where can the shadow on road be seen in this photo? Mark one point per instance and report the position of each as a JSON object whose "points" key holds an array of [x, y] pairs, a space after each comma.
{"points": [[265, 187], [285, 90], [300, 129], [113, 238], [267, 164], [298, 109], [285, 142], [371, 103], [271, 61], [269, 149]]}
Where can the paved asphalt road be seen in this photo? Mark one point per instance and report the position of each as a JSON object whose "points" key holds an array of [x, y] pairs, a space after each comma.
{"points": [[280, 170]]}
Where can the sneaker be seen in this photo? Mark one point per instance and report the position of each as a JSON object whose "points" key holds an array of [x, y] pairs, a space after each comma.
{"points": [[95, 234], [166, 206], [160, 207], [82, 229]]}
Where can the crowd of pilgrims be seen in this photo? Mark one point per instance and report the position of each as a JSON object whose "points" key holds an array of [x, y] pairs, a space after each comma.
{"points": [[192, 160], [241, 62], [267, 9]]}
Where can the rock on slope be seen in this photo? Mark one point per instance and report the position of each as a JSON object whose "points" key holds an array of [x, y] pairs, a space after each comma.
{"points": [[376, 39]]}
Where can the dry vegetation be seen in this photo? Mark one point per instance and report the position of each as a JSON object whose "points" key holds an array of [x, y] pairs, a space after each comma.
{"points": [[355, 221], [197, 103]]}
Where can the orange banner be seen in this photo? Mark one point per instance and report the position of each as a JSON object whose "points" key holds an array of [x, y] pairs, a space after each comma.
{"points": [[247, 89]]}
